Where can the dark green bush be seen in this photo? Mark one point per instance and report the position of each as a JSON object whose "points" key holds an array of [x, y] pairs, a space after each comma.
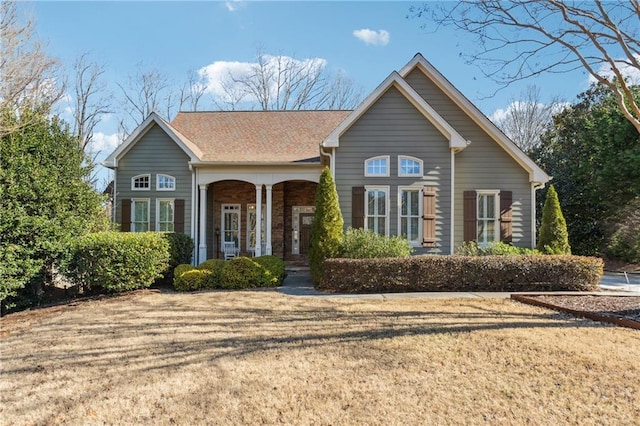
{"points": [[625, 241], [215, 267], [241, 272], [180, 249], [363, 244], [463, 273], [554, 238], [119, 261], [192, 280], [495, 248], [182, 268], [273, 270]]}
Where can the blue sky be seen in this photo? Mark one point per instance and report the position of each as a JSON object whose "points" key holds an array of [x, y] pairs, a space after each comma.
{"points": [[175, 37]]}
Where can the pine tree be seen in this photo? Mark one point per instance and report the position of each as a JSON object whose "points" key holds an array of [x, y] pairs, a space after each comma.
{"points": [[327, 226], [554, 238]]}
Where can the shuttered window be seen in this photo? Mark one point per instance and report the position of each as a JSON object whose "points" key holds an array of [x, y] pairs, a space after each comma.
{"points": [[429, 217], [377, 210], [139, 215], [487, 223], [165, 212], [488, 216], [357, 207], [409, 214]]}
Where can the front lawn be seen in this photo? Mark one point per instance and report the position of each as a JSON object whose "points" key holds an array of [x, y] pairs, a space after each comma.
{"points": [[262, 358]]}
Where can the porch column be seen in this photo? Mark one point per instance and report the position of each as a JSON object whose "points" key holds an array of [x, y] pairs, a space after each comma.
{"points": [[268, 224], [258, 251], [202, 247]]}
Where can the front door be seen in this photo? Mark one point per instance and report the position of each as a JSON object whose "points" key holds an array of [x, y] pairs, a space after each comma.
{"points": [[305, 232]]}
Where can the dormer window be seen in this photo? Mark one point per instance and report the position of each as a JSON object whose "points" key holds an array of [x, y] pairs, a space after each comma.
{"points": [[141, 183], [409, 166], [166, 183], [377, 166]]}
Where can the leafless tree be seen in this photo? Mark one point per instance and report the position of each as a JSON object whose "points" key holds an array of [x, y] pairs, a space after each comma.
{"points": [[519, 39], [191, 92], [144, 92], [285, 83], [525, 119], [92, 99], [29, 78]]}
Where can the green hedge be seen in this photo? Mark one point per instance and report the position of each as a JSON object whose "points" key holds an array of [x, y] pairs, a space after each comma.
{"points": [[191, 280], [497, 248], [180, 249], [273, 273], [119, 261], [363, 244], [214, 266], [463, 273]]}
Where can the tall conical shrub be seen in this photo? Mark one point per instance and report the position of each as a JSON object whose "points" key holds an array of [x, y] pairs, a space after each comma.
{"points": [[327, 226], [553, 238]]}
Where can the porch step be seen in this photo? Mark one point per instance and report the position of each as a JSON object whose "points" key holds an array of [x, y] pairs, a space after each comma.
{"points": [[296, 266]]}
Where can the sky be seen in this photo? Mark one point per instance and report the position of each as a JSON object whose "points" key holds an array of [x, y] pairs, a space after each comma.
{"points": [[364, 40]]}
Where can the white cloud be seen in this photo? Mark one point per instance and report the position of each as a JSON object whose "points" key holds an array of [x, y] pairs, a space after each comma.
{"points": [[632, 74], [218, 77], [376, 38], [232, 5], [103, 142]]}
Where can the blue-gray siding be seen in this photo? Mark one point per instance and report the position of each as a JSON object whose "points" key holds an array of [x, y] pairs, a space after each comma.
{"points": [[155, 153]]}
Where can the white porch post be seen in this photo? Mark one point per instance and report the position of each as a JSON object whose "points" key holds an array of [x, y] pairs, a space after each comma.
{"points": [[268, 224], [202, 247], [258, 251]]}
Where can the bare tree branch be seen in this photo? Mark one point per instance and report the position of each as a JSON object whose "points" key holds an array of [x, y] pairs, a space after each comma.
{"points": [[551, 36]]}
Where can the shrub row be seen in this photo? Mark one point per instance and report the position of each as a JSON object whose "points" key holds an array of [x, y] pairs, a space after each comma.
{"points": [[237, 273], [462, 273], [495, 248], [363, 244]]}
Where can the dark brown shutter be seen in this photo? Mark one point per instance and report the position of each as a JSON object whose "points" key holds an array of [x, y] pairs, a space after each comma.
{"points": [[125, 219], [506, 228], [428, 217], [470, 216], [357, 207], [178, 216]]}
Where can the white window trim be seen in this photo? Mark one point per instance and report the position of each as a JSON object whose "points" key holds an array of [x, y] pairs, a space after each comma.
{"points": [[165, 189], [420, 212], [236, 208], [386, 188], [133, 213], [379, 157], [133, 179], [173, 207], [408, 157], [264, 224], [496, 207]]}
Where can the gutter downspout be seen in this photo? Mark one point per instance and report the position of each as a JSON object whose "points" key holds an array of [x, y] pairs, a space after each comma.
{"points": [[332, 166]]}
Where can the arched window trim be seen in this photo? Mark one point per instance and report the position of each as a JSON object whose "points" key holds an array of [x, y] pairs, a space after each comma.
{"points": [[173, 179], [137, 178], [408, 157], [379, 174]]}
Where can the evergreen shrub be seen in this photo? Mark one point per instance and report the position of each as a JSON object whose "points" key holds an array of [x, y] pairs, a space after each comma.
{"points": [[363, 244], [553, 238]]}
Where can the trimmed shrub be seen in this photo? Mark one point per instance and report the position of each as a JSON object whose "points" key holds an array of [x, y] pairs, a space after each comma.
{"points": [[182, 268], [215, 267], [191, 280], [327, 225], [495, 248], [241, 272], [554, 238], [180, 249], [364, 244], [463, 273], [273, 270], [119, 261]]}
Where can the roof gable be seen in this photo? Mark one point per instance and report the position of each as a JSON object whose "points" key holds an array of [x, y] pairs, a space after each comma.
{"points": [[189, 148], [536, 174], [395, 80]]}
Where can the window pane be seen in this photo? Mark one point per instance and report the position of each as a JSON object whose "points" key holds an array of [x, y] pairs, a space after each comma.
{"points": [[481, 231], [414, 229], [371, 202], [371, 223], [382, 208], [403, 228], [381, 227], [491, 230], [482, 199], [491, 211], [404, 203], [414, 202]]}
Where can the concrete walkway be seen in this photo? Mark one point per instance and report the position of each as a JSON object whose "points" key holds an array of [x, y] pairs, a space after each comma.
{"points": [[298, 283]]}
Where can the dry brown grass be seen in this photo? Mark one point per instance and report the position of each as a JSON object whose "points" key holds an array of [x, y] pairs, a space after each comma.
{"points": [[265, 358]]}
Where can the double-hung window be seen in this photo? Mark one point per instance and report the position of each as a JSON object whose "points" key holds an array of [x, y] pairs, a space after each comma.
{"points": [[165, 215], [139, 215], [377, 209], [141, 182], [488, 228], [409, 200], [377, 166]]}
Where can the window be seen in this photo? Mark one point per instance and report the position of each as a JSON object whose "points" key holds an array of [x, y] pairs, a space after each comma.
{"points": [[487, 209], [231, 223], [377, 166], [409, 166], [377, 210], [165, 183], [251, 226], [139, 215], [410, 200], [141, 183], [165, 215]]}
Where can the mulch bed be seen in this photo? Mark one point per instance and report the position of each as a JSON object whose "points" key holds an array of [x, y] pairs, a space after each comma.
{"points": [[620, 310]]}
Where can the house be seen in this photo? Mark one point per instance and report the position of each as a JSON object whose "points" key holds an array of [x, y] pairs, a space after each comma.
{"points": [[416, 159]]}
